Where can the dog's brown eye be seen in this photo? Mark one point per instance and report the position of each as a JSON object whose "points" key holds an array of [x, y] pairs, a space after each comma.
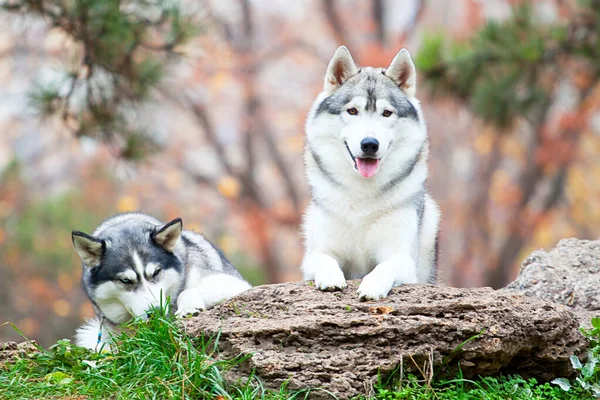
{"points": [[387, 113], [352, 111]]}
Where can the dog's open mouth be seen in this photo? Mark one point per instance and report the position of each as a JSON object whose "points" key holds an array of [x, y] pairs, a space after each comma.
{"points": [[367, 167]]}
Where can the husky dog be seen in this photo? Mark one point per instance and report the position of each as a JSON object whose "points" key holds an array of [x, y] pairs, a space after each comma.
{"points": [[370, 214], [133, 262]]}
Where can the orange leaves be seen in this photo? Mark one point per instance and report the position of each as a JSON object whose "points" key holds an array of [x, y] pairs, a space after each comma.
{"points": [[559, 148], [555, 152], [284, 212], [375, 54], [543, 235], [503, 190], [229, 187], [61, 308], [127, 203], [484, 142], [571, 121], [86, 310]]}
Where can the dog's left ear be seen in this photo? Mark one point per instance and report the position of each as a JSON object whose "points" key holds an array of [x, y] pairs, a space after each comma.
{"points": [[168, 234], [402, 71]]}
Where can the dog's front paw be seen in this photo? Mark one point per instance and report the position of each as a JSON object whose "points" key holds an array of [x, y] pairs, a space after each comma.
{"points": [[373, 287], [330, 279], [189, 303]]}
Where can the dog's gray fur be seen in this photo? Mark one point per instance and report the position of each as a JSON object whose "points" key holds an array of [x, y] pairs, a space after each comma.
{"points": [[133, 262]]}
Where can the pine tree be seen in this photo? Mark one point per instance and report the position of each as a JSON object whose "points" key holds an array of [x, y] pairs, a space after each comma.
{"points": [[508, 73], [124, 49]]}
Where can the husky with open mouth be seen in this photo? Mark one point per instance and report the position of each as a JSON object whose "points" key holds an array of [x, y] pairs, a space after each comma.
{"points": [[133, 262], [370, 214]]}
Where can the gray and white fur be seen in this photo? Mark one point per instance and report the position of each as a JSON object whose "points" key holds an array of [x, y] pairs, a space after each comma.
{"points": [[370, 215], [133, 262]]}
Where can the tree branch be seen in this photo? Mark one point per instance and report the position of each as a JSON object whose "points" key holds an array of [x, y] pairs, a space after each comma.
{"points": [[335, 23]]}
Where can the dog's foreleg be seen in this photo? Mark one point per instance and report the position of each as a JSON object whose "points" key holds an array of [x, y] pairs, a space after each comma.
{"points": [[398, 269], [87, 336], [325, 271], [212, 290]]}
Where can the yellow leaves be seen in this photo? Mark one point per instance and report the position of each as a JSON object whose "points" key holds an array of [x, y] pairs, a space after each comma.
{"points": [[28, 326], [543, 235], [512, 147], [503, 191], [127, 203], [193, 226], [227, 244], [219, 80], [61, 308], [173, 180], [229, 187], [576, 184], [484, 142], [580, 215]]}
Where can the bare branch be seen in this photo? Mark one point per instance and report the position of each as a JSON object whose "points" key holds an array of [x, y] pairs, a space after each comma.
{"points": [[378, 10], [335, 23], [200, 113], [410, 27]]}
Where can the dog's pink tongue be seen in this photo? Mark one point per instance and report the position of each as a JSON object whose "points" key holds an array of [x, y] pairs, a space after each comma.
{"points": [[367, 166]]}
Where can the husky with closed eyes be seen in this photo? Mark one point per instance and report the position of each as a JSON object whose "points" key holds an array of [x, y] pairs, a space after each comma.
{"points": [[370, 214], [133, 262]]}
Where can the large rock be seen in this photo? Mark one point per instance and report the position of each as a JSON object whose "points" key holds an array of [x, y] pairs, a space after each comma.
{"points": [[12, 351], [331, 340], [569, 274]]}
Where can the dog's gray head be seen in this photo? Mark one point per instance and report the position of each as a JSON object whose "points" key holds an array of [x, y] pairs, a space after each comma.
{"points": [[130, 265], [368, 110]]}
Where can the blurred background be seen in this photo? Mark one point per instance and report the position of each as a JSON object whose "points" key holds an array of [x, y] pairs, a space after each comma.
{"points": [[196, 110]]}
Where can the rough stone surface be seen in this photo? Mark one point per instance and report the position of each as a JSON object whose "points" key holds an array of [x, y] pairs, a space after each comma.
{"points": [[333, 341], [11, 351], [569, 274]]}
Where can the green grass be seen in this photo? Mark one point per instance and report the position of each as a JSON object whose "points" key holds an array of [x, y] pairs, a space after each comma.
{"points": [[488, 388], [161, 362]]}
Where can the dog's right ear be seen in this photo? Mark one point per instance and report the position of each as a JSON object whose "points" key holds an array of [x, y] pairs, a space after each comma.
{"points": [[89, 248], [340, 69], [168, 234]]}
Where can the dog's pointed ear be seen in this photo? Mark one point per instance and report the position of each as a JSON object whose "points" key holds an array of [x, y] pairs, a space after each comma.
{"points": [[341, 68], [89, 248], [402, 71], [168, 234]]}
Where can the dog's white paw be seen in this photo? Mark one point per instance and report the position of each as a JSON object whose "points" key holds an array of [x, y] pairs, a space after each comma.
{"points": [[330, 278], [373, 287], [188, 303]]}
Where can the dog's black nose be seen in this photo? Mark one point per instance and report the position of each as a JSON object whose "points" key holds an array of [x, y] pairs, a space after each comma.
{"points": [[369, 146]]}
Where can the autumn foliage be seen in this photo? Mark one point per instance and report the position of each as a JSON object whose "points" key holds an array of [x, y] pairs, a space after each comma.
{"points": [[199, 113]]}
